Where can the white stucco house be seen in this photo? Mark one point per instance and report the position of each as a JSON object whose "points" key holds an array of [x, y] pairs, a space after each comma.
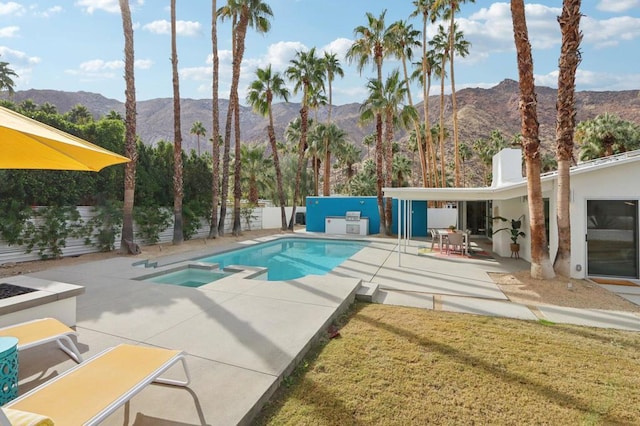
{"points": [[605, 197]]}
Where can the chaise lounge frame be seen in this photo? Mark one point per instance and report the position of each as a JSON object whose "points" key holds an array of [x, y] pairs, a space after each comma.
{"points": [[41, 331], [90, 392]]}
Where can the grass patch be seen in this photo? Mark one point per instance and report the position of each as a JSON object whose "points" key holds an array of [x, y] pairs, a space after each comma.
{"points": [[395, 365]]}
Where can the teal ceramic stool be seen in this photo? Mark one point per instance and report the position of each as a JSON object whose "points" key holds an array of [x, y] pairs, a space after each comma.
{"points": [[8, 369]]}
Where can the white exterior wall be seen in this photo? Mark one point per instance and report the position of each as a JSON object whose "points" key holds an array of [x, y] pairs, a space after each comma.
{"points": [[610, 183]]}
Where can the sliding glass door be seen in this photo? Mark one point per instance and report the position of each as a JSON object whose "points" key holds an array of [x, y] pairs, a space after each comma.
{"points": [[612, 238]]}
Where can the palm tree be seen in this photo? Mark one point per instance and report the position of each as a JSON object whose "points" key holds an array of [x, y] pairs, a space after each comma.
{"points": [[425, 9], [261, 93], [541, 267], [244, 14], [465, 155], [6, 82], [565, 125], [386, 100], [605, 135], [401, 169], [369, 140], [114, 115], [215, 127], [373, 42], [348, 155], [254, 167], [406, 39], [440, 43], [306, 72], [314, 147], [130, 148], [79, 114], [178, 190], [332, 68], [48, 108], [28, 106], [332, 138], [198, 129], [455, 40]]}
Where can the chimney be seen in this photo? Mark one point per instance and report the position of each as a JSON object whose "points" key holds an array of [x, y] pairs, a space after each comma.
{"points": [[507, 167]]}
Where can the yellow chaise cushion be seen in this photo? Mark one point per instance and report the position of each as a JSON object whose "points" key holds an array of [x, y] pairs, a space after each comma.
{"points": [[24, 418]]}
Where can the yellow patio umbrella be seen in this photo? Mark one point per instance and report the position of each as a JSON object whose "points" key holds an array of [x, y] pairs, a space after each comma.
{"points": [[28, 144]]}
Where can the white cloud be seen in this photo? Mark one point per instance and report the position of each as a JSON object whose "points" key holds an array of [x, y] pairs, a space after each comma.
{"points": [[17, 56], [142, 64], [596, 81], [50, 12], [490, 30], [11, 8], [90, 6], [110, 6], [183, 28], [609, 32], [338, 46], [617, 5], [9, 32], [96, 65], [279, 54]]}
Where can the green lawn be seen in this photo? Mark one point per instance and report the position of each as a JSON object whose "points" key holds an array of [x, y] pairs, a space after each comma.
{"points": [[405, 366]]}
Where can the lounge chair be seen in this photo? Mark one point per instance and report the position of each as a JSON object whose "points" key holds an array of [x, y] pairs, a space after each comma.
{"points": [[91, 391], [42, 331]]}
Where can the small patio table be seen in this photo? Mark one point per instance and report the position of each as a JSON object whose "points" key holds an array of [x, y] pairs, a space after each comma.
{"points": [[443, 233]]}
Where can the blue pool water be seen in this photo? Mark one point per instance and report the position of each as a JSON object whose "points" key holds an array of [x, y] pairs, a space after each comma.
{"points": [[290, 258], [188, 277]]}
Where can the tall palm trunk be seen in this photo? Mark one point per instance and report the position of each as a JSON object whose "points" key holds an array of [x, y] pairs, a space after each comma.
{"points": [[302, 147], [226, 156], [443, 173], [130, 148], [421, 154], [379, 174], [178, 191], [237, 169], [425, 101], [388, 152], [276, 163], [565, 126], [215, 127], [454, 104], [435, 181], [384, 225], [540, 264]]}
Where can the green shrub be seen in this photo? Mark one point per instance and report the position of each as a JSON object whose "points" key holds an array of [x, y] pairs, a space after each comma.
{"points": [[151, 222]]}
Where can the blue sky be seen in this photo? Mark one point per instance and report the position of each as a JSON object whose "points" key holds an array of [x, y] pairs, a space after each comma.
{"points": [[77, 45]]}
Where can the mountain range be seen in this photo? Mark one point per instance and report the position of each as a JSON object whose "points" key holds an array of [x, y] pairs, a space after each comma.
{"points": [[480, 111]]}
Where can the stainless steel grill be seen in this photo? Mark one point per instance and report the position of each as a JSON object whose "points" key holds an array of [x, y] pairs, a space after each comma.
{"points": [[353, 222], [352, 217]]}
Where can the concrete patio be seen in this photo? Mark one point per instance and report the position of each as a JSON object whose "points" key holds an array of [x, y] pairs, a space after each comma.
{"points": [[243, 336]]}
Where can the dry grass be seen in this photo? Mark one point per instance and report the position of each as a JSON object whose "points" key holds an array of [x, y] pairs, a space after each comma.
{"points": [[400, 366]]}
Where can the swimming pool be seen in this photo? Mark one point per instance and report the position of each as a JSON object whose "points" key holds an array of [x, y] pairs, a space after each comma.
{"points": [[290, 258]]}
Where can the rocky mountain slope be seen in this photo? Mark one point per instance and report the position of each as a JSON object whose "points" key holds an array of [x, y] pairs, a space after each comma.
{"points": [[480, 112]]}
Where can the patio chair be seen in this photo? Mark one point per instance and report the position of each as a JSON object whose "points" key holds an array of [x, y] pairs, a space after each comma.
{"points": [[455, 240], [89, 392], [41, 331], [434, 238]]}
